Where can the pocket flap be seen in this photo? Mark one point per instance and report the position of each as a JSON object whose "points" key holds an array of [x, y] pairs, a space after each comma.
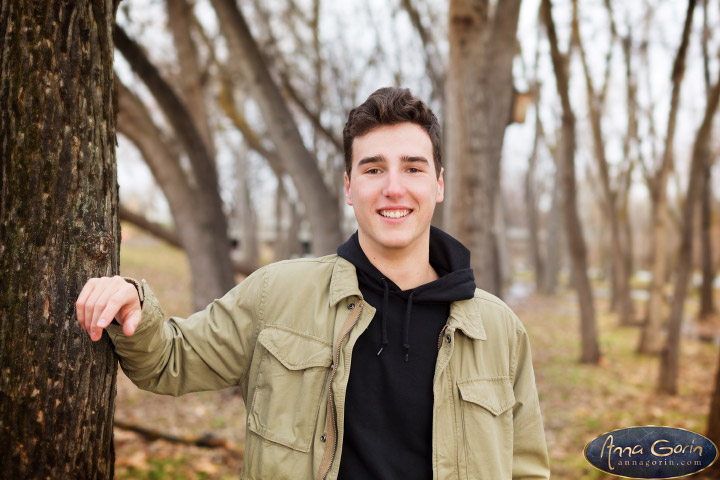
{"points": [[493, 394], [296, 351]]}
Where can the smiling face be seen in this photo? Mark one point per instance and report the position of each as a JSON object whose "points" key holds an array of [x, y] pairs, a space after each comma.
{"points": [[393, 188]]}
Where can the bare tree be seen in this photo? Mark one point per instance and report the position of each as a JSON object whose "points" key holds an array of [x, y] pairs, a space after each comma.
{"points": [[596, 101], [319, 200], [669, 359], [58, 226], [531, 204], [650, 338], [707, 302], [479, 106], [209, 257], [590, 352]]}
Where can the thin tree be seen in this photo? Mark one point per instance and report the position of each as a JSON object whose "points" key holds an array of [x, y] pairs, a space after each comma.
{"points": [[707, 302], [596, 101], [320, 202], [58, 226], [650, 337], [590, 352], [670, 355]]}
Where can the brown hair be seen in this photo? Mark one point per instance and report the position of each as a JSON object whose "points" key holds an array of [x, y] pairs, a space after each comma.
{"points": [[390, 106]]}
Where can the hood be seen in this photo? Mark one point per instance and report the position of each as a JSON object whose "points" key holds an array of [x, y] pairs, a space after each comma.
{"points": [[449, 258]]}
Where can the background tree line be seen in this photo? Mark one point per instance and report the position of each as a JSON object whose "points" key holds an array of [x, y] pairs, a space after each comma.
{"points": [[584, 129]]}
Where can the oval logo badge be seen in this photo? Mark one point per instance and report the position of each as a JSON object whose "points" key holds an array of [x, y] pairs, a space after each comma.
{"points": [[651, 452]]}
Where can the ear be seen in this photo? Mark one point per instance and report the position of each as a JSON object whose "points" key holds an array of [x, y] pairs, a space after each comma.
{"points": [[348, 197], [441, 187]]}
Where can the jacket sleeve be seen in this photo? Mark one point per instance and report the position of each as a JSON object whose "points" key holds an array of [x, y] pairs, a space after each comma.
{"points": [[530, 454], [209, 350]]}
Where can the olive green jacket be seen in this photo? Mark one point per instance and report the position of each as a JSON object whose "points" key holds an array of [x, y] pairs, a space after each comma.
{"points": [[285, 335]]}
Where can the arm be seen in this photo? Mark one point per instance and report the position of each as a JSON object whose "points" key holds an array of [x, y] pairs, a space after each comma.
{"points": [[530, 455], [209, 350]]}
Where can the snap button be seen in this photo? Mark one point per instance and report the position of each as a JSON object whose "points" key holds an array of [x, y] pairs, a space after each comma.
{"points": [[351, 306], [323, 438], [448, 338]]}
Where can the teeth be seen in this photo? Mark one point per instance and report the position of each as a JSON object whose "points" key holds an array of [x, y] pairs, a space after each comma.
{"points": [[394, 213]]}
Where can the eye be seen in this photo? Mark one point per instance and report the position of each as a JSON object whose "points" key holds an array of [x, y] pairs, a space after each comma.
{"points": [[372, 170], [414, 170]]}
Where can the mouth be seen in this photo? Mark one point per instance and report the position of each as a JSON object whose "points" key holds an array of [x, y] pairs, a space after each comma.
{"points": [[395, 213]]}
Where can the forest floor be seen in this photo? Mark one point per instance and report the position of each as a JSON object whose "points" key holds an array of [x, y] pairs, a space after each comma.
{"points": [[579, 402]]}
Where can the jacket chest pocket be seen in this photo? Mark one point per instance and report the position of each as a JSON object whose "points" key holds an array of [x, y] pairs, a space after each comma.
{"points": [[487, 420], [290, 386]]}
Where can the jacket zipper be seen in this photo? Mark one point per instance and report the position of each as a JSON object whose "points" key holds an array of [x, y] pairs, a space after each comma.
{"points": [[332, 377]]}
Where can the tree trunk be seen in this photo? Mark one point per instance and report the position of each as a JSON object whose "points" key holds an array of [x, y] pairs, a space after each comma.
{"points": [[321, 205], [590, 351], [189, 215], [713, 430], [669, 359], [204, 174], [622, 303], [707, 304], [554, 234], [479, 102], [191, 84], [58, 226], [531, 207], [651, 336]]}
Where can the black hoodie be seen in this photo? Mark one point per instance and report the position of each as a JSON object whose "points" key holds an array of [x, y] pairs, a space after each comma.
{"points": [[389, 399]]}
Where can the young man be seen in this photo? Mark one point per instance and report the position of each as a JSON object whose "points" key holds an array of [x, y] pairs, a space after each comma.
{"points": [[441, 384]]}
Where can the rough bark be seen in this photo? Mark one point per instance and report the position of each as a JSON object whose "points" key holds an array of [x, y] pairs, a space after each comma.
{"points": [[590, 351], [670, 355], [189, 214], [620, 277], [479, 102], [321, 205], [651, 335], [58, 226]]}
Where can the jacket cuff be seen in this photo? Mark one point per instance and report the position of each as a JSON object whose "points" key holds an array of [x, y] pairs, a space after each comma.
{"points": [[152, 313]]}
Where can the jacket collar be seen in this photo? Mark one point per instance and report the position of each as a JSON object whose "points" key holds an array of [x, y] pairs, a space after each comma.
{"points": [[464, 314], [344, 282]]}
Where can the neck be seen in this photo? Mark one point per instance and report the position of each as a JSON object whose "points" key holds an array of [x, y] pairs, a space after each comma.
{"points": [[407, 268]]}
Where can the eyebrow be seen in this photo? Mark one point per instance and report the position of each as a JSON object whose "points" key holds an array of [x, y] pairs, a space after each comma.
{"points": [[403, 159]]}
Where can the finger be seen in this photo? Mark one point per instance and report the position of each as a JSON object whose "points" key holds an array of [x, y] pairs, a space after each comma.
{"points": [[96, 303], [111, 304], [82, 300], [131, 323]]}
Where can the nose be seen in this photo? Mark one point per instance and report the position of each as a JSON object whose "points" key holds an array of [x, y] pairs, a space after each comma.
{"points": [[394, 186]]}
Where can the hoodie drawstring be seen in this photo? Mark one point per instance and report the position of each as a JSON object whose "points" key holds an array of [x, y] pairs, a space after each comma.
{"points": [[406, 345], [406, 324], [384, 317]]}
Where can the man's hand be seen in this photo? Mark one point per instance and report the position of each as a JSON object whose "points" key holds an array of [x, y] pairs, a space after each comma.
{"points": [[105, 298]]}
